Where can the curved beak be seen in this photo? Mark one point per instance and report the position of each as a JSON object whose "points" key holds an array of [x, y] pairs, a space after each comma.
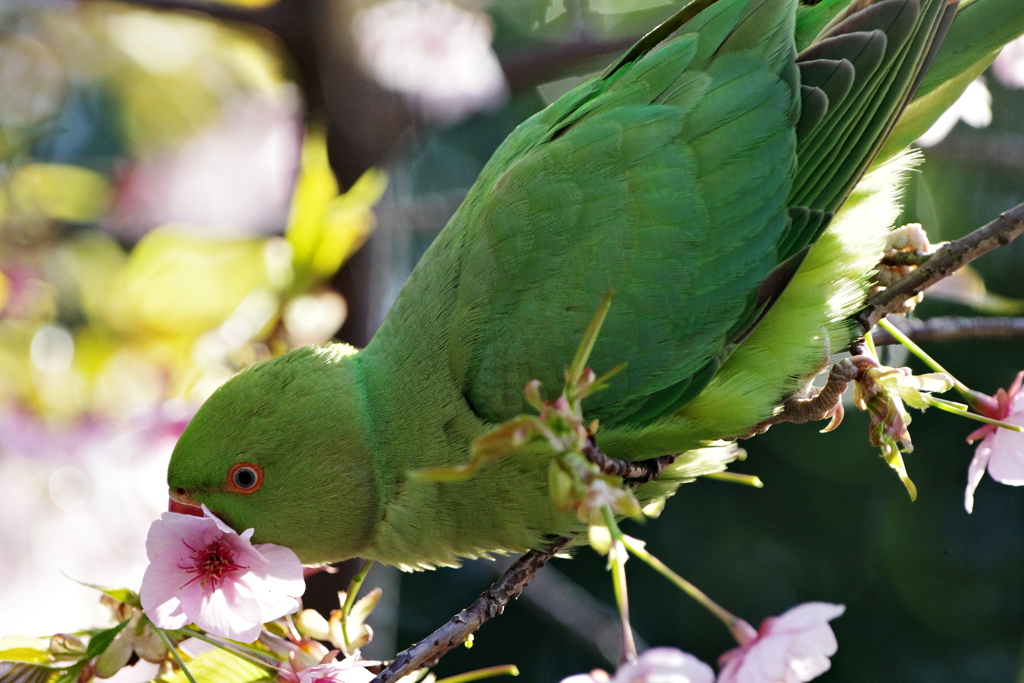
{"points": [[183, 503]]}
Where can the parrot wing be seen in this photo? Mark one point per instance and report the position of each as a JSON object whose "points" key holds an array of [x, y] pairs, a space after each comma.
{"points": [[669, 185], [690, 178]]}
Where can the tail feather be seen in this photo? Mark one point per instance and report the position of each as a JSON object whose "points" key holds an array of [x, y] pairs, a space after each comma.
{"points": [[866, 64]]}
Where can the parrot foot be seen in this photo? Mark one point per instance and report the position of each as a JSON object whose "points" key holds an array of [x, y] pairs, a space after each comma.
{"points": [[819, 403], [632, 472]]}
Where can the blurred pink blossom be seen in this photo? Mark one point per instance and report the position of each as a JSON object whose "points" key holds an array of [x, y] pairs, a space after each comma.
{"points": [[657, 665], [76, 499], [234, 177], [1009, 65], [791, 648], [434, 53], [202, 572], [1001, 451]]}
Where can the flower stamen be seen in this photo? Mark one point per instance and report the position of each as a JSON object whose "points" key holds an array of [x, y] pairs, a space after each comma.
{"points": [[212, 563]]}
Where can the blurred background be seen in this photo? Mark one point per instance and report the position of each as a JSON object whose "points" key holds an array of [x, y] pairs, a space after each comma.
{"points": [[184, 190]]}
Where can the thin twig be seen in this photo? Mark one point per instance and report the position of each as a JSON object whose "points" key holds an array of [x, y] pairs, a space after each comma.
{"points": [[593, 623], [953, 328], [906, 258], [490, 604], [943, 262], [634, 472]]}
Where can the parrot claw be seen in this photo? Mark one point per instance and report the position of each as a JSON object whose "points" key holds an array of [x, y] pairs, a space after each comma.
{"points": [[818, 403], [837, 419]]}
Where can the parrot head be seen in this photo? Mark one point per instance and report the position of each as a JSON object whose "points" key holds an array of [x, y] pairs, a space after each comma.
{"points": [[282, 448]]}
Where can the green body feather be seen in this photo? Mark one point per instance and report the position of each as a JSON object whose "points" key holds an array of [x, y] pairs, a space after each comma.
{"points": [[698, 177]]}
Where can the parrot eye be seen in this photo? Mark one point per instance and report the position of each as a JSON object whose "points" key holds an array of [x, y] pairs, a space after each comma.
{"points": [[245, 477]]}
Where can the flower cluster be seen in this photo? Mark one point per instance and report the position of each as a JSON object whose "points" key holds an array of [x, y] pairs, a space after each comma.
{"points": [[882, 391], [792, 648]]}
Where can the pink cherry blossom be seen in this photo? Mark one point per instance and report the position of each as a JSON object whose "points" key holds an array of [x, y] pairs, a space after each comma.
{"points": [[1001, 451], [202, 572], [657, 665], [346, 671], [791, 648]]}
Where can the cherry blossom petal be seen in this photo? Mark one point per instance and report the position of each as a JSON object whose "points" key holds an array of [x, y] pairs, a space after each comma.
{"points": [[586, 678], [976, 471], [281, 582], [1001, 452], [807, 616], [665, 665], [224, 612], [347, 671], [1006, 464], [657, 665], [792, 648]]}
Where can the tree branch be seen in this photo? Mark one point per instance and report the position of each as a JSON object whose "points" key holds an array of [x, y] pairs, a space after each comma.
{"points": [[944, 261], [490, 604], [593, 623], [639, 472], [953, 328]]}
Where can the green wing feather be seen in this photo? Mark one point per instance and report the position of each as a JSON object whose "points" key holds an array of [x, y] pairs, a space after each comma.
{"points": [[670, 184], [680, 180]]}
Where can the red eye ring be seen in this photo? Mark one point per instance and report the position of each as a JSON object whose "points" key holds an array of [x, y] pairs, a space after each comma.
{"points": [[244, 477]]}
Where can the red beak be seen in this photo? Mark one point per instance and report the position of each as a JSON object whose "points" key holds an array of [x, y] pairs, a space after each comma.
{"points": [[181, 503]]}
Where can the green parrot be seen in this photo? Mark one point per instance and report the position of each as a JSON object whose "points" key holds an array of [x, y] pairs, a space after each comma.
{"points": [[701, 178]]}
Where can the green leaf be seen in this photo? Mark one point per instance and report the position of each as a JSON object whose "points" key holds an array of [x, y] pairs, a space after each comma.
{"points": [[128, 597], [25, 654], [98, 643], [24, 649], [579, 362], [101, 640], [504, 440], [70, 675], [220, 666], [891, 454], [66, 193]]}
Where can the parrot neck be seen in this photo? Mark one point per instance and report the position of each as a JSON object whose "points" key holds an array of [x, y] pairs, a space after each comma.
{"points": [[419, 418]]}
